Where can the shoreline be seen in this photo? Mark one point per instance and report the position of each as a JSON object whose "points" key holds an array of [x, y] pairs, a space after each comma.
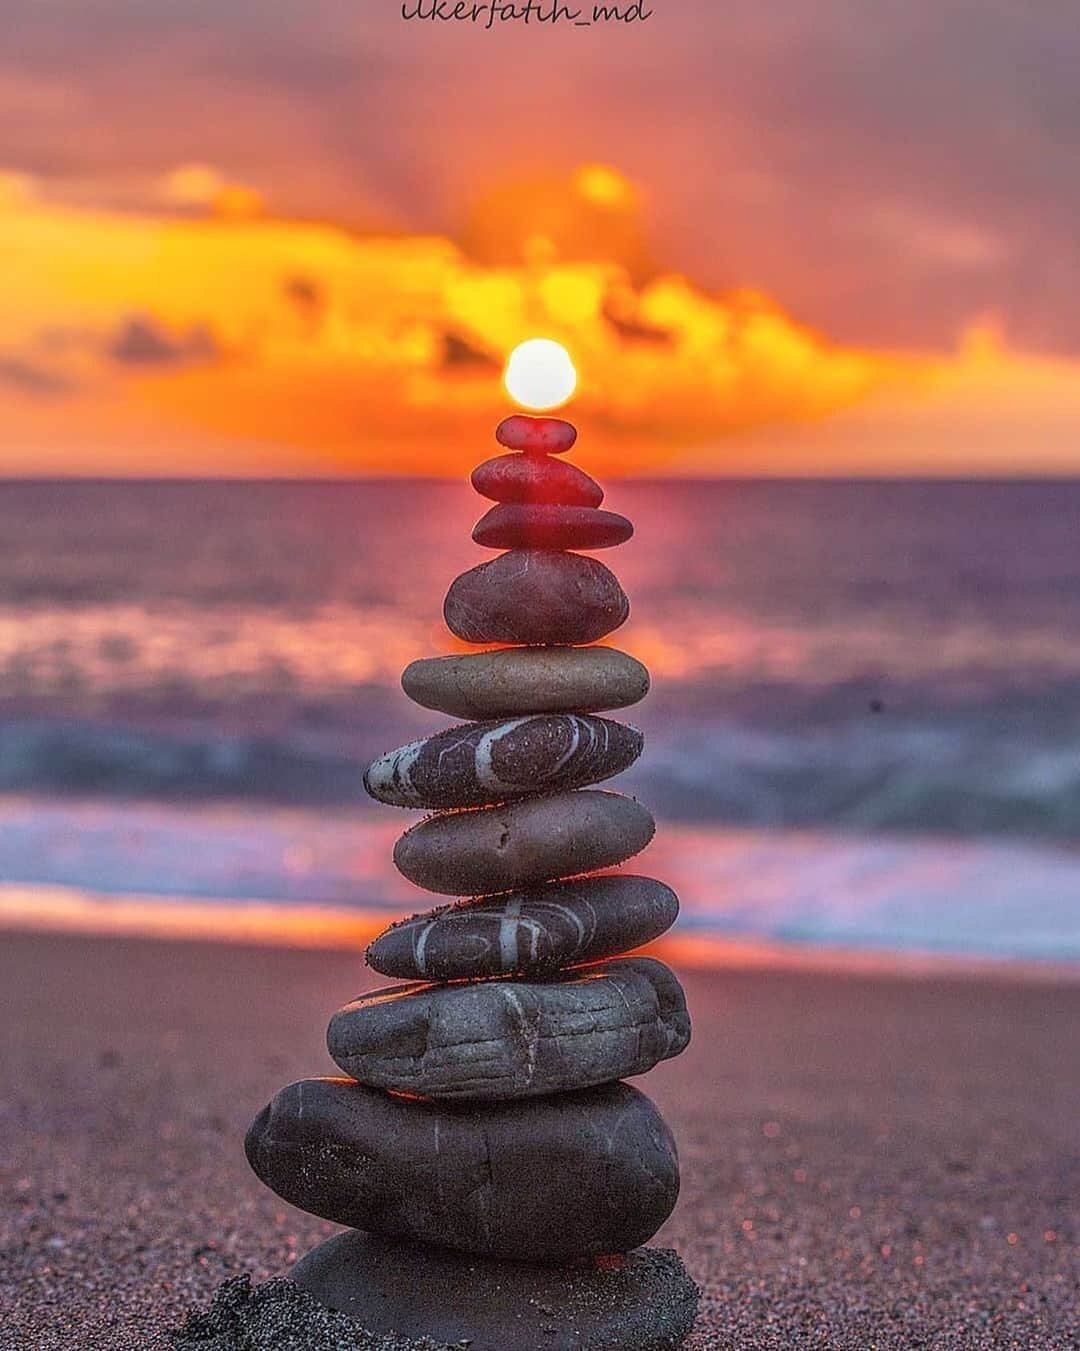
{"points": [[75, 911], [866, 1160]]}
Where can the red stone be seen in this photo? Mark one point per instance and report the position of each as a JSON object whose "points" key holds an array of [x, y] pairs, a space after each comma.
{"points": [[536, 596], [513, 526], [536, 478], [536, 435]]}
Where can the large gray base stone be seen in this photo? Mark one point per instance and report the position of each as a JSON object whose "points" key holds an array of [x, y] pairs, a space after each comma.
{"points": [[643, 1301]]}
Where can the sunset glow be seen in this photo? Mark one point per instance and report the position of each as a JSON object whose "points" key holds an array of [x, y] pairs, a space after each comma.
{"points": [[287, 267], [540, 374]]}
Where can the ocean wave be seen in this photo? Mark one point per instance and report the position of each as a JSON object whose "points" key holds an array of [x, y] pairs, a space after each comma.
{"points": [[995, 899], [967, 776]]}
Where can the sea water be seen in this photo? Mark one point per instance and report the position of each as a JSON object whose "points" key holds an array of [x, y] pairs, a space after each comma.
{"points": [[864, 729]]}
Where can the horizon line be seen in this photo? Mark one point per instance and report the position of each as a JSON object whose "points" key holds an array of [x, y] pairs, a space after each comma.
{"points": [[380, 478], [389, 477]]}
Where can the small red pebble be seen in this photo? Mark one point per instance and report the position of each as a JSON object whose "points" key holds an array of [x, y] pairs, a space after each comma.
{"points": [[536, 435]]}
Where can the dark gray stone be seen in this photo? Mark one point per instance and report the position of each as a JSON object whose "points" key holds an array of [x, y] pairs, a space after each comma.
{"points": [[536, 435], [527, 933], [535, 478], [513, 680], [482, 763], [502, 1039], [493, 849], [544, 1180], [641, 1301], [536, 596], [511, 525]]}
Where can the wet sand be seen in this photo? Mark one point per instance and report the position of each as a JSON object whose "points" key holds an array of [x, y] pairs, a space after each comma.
{"points": [[868, 1161]]}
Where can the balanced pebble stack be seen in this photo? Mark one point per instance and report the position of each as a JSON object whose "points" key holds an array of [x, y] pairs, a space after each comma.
{"points": [[498, 1174]]}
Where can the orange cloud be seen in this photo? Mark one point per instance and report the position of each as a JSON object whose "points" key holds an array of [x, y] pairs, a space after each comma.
{"points": [[221, 340]]}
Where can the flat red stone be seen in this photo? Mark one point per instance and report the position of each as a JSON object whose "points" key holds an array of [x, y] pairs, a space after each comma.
{"points": [[537, 479], [536, 435], [511, 525]]}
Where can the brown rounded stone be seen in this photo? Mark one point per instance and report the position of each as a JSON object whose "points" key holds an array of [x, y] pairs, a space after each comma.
{"points": [[535, 478], [495, 849], [512, 525], [543, 1180], [514, 680], [536, 435], [482, 763], [536, 596], [639, 1301], [502, 1039], [527, 933]]}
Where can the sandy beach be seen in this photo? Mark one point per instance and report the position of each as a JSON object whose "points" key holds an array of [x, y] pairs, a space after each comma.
{"points": [[868, 1161]]}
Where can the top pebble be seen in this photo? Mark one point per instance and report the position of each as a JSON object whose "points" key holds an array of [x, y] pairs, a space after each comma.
{"points": [[536, 435]]}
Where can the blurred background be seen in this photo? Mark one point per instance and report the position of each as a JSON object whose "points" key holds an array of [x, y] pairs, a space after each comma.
{"points": [[816, 269]]}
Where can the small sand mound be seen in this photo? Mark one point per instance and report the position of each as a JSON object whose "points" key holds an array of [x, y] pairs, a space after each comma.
{"points": [[277, 1316]]}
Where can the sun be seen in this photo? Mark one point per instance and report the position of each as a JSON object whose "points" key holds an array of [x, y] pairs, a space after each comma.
{"points": [[539, 374]]}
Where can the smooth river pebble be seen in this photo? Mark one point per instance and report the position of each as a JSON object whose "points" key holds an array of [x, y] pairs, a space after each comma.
{"points": [[536, 596], [526, 680], [536, 840], [544, 1180]]}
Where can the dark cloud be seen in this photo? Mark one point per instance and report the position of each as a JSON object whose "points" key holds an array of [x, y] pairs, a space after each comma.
{"points": [[459, 352], [142, 341], [306, 294], [31, 378]]}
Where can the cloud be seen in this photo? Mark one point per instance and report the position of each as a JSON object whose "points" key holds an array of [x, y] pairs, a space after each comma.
{"points": [[343, 350], [766, 141], [460, 352], [31, 379], [143, 341]]}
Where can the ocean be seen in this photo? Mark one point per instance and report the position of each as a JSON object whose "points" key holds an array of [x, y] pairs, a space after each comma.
{"points": [[863, 734]]}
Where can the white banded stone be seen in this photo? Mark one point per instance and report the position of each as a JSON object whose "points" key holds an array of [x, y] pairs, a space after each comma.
{"points": [[527, 933], [481, 763]]}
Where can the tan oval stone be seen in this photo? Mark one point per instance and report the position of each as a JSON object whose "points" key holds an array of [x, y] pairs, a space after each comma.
{"points": [[481, 685], [478, 853]]}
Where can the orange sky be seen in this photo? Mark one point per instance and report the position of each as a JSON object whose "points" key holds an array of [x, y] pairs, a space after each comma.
{"points": [[304, 245]]}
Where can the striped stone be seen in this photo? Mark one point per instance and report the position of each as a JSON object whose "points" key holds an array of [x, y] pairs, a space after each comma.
{"points": [[527, 933], [481, 763]]}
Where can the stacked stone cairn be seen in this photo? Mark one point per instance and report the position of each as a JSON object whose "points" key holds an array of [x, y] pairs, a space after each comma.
{"points": [[497, 1174]]}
